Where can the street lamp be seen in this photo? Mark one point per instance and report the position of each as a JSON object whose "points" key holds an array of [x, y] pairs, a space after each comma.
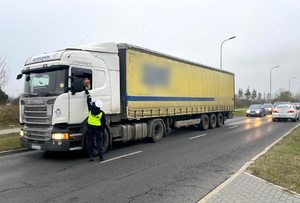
{"points": [[290, 88], [271, 83], [221, 50]]}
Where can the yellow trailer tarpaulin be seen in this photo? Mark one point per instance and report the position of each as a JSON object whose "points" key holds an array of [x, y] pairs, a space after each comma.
{"points": [[158, 86]]}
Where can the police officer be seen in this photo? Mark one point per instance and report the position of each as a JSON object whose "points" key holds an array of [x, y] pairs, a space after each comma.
{"points": [[96, 123]]}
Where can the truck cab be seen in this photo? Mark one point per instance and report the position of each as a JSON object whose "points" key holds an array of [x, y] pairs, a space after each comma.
{"points": [[53, 109]]}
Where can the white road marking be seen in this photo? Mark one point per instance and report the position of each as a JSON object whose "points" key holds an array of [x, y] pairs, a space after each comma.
{"points": [[253, 122], [233, 127], [119, 157], [197, 136]]}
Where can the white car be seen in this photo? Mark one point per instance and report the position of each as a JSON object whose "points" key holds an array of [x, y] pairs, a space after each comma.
{"points": [[286, 111]]}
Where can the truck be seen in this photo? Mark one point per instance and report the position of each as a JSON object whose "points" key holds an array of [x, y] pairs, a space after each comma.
{"points": [[145, 94]]}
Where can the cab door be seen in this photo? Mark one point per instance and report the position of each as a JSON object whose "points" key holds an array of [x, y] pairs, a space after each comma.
{"points": [[78, 110]]}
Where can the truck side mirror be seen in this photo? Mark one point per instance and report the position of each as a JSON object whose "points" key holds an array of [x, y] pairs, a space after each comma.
{"points": [[77, 85], [19, 76]]}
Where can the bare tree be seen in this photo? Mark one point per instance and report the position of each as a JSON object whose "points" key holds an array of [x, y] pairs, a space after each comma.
{"points": [[4, 72]]}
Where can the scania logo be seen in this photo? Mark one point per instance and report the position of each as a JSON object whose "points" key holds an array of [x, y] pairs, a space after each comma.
{"points": [[35, 102]]}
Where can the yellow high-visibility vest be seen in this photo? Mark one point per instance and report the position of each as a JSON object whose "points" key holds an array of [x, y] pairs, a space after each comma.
{"points": [[95, 119]]}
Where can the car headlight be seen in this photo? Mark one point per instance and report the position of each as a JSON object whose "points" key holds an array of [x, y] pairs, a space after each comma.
{"points": [[21, 133], [248, 111], [60, 136], [257, 111]]}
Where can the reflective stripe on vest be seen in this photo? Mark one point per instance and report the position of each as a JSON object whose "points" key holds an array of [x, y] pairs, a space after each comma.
{"points": [[95, 119]]}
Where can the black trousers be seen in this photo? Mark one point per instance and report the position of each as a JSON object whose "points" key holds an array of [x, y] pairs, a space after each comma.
{"points": [[98, 133]]}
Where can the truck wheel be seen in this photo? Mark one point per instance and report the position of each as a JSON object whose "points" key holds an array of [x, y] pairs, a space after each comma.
{"points": [[157, 131], [212, 121], [105, 143], [220, 119], [204, 122], [105, 140]]}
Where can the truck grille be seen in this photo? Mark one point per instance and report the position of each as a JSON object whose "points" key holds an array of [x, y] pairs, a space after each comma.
{"points": [[36, 109], [37, 135], [37, 120], [38, 126], [37, 115]]}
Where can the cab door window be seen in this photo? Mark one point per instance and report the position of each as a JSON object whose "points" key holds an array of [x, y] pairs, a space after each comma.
{"points": [[86, 75]]}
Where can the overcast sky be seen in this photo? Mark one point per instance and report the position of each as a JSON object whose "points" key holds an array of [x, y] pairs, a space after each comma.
{"points": [[267, 33]]}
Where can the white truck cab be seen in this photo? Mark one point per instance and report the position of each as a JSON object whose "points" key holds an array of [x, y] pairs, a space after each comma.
{"points": [[51, 108]]}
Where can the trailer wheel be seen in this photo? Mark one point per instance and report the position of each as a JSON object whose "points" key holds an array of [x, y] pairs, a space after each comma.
{"points": [[157, 131], [204, 122], [220, 119], [212, 121], [105, 143]]}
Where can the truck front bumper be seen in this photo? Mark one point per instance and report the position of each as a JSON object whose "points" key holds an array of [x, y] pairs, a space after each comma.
{"points": [[54, 145]]}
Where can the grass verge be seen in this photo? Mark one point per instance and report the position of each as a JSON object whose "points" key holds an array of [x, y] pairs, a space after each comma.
{"points": [[281, 164], [239, 113], [9, 117], [10, 141]]}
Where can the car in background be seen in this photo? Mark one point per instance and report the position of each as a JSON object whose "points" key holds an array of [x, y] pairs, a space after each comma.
{"points": [[285, 111], [277, 103], [256, 110], [268, 107], [297, 105]]}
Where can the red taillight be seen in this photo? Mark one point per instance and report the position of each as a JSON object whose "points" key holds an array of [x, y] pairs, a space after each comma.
{"points": [[291, 111], [275, 111]]}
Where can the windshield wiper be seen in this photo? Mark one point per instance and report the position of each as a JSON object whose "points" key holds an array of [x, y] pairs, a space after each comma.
{"points": [[45, 94], [29, 94]]}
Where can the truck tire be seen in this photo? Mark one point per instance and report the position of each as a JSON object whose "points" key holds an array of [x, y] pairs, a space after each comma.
{"points": [[220, 119], [156, 131], [105, 143], [212, 121], [204, 122]]}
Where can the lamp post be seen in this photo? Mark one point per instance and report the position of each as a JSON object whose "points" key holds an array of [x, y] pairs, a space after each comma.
{"points": [[271, 83], [221, 50], [290, 88]]}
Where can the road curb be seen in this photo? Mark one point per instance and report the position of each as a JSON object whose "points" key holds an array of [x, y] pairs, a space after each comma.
{"points": [[15, 151], [231, 178]]}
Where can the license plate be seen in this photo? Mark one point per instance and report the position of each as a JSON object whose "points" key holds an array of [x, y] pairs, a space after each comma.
{"points": [[282, 116], [33, 146]]}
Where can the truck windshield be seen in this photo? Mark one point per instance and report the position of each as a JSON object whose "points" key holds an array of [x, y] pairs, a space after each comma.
{"points": [[47, 83]]}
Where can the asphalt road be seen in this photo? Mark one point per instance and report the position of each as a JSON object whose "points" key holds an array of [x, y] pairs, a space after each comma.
{"points": [[184, 167]]}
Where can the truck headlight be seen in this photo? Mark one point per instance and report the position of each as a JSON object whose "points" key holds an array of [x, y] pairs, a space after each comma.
{"points": [[21, 133], [257, 111], [60, 136]]}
